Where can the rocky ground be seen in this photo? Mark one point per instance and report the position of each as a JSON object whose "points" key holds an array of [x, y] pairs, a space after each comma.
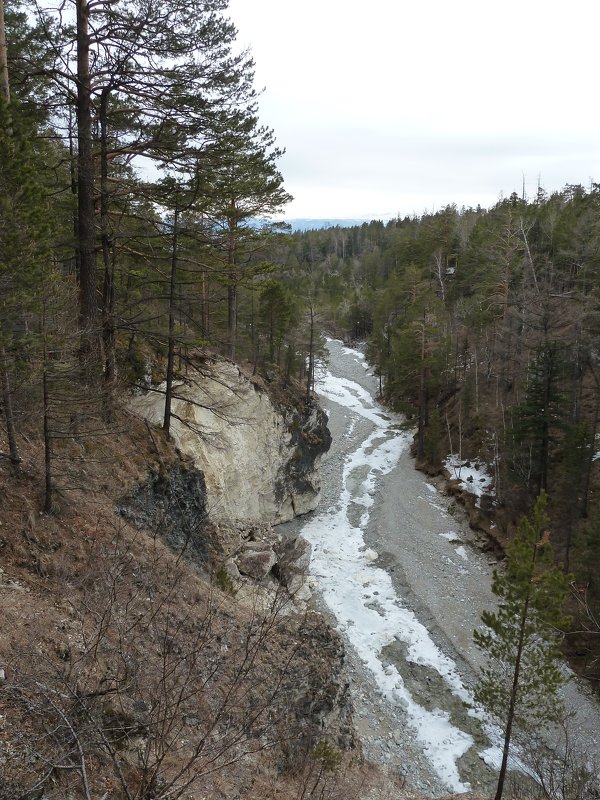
{"points": [[123, 663]]}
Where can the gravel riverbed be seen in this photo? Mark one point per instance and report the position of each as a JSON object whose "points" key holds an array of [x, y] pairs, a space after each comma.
{"points": [[438, 574]]}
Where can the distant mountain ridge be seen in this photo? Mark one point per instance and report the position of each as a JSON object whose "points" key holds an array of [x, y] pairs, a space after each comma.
{"points": [[305, 224]]}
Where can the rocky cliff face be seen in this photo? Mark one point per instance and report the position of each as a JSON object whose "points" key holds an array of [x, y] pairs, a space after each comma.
{"points": [[259, 455], [171, 503]]}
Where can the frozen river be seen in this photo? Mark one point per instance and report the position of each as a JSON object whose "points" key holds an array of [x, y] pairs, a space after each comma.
{"points": [[405, 586]]}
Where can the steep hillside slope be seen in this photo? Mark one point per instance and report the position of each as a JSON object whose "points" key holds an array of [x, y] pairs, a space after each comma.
{"points": [[130, 664]]}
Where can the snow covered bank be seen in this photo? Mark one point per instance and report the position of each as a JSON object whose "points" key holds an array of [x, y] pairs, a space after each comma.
{"points": [[473, 476]]}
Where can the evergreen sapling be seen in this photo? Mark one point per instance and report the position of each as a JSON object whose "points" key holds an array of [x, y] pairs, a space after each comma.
{"points": [[520, 683]]}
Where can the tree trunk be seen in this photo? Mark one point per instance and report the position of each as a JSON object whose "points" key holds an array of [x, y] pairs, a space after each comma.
{"points": [[585, 494], [271, 335], [9, 418], [88, 304], [47, 442], [108, 288], [232, 289], [73, 177], [6, 387], [310, 378], [231, 317], [4, 85], [422, 406], [513, 702], [204, 319], [171, 338], [545, 427]]}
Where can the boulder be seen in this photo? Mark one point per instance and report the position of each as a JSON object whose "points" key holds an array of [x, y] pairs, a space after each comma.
{"points": [[293, 562], [256, 547], [231, 570], [256, 563]]}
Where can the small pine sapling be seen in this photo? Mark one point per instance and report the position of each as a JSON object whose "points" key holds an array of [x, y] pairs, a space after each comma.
{"points": [[520, 683]]}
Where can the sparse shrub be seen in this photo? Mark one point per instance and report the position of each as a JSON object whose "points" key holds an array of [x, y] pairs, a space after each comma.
{"points": [[327, 755], [224, 582], [320, 772]]}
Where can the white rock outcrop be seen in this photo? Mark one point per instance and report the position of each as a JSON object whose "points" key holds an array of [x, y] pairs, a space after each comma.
{"points": [[260, 461]]}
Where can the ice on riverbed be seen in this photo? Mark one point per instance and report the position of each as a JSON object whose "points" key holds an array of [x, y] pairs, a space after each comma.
{"points": [[351, 427], [350, 395], [356, 355], [452, 536], [462, 553], [362, 596]]}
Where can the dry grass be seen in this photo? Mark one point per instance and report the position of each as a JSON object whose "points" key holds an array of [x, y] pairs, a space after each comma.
{"points": [[128, 674]]}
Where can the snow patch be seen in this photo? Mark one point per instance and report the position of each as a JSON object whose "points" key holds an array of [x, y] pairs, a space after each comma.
{"points": [[452, 536], [460, 551], [472, 476], [492, 757]]}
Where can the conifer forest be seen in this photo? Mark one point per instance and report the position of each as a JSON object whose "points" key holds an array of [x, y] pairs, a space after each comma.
{"points": [[140, 208]]}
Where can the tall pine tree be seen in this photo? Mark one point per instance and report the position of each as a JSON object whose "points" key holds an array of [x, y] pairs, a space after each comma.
{"points": [[23, 252]]}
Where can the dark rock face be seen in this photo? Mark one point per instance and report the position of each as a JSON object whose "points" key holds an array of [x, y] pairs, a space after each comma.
{"points": [[172, 504], [315, 701], [310, 439]]}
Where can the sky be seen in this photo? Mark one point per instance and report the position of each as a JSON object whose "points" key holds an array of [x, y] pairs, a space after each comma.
{"points": [[391, 107]]}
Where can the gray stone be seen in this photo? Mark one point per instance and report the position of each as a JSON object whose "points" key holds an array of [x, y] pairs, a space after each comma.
{"points": [[256, 547], [293, 562], [231, 570], [256, 564]]}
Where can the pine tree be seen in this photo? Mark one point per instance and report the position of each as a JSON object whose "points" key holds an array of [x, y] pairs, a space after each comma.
{"points": [[538, 418], [278, 311], [154, 80], [245, 191], [23, 251], [522, 638]]}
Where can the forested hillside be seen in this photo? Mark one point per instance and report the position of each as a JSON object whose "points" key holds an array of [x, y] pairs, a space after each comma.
{"points": [[139, 198], [136, 189], [483, 327], [135, 180]]}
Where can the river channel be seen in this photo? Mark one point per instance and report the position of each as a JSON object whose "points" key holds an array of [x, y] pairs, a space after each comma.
{"points": [[402, 578]]}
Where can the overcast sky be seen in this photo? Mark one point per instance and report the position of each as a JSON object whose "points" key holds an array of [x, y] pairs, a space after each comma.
{"points": [[398, 106]]}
